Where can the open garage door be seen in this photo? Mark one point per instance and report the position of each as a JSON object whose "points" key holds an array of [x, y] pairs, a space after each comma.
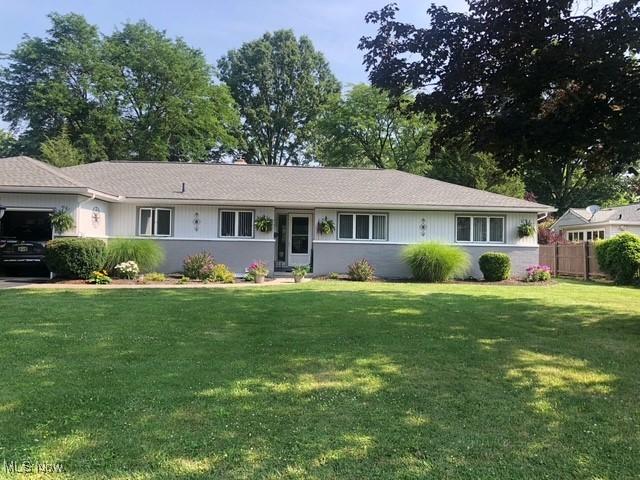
{"points": [[23, 235]]}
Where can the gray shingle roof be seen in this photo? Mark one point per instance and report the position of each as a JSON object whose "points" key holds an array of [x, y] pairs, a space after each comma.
{"points": [[628, 213], [293, 185], [27, 172]]}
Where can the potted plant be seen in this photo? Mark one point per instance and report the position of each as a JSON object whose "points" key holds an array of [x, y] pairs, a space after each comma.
{"points": [[61, 220], [258, 270], [526, 229], [299, 272], [326, 226], [264, 224]]}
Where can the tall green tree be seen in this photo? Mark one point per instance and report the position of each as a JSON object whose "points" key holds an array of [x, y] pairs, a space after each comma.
{"points": [[8, 144], [60, 152], [544, 89], [135, 94], [367, 128], [163, 94], [458, 163], [280, 84], [50, 82]]}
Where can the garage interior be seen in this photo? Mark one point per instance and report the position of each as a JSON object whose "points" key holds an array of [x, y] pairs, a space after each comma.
{"points": [[23, 233]]}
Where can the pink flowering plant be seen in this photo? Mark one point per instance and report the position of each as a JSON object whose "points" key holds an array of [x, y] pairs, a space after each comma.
{"points": [[257, 269], [538, 273]]}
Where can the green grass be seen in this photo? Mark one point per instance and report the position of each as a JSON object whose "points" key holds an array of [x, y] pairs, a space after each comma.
{"points": [[324, 380]]}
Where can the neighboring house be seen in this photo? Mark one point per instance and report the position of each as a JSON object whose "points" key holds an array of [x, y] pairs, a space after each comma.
{"points": [[191, 207], [595, 223]]}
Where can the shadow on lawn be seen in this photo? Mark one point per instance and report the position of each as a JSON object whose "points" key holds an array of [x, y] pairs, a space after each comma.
{"points": [[301, 383]]}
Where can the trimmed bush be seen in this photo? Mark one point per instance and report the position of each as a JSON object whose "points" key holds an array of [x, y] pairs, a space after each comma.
{"points": [[361, 271], [75, 257], [146, 253], [198, 266], [495, 266], [619, 257], [436, 262]]}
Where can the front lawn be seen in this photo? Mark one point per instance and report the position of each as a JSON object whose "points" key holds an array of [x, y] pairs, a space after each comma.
{"points": [[324, 380]]}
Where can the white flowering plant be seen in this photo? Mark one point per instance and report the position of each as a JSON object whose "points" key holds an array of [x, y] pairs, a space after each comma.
{"points": [[128, 270]]}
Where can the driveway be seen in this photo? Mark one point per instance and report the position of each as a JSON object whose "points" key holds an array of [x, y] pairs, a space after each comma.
{"points": [[9, 282]]}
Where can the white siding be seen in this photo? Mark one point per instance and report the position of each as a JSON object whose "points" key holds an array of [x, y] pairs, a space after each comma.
{"points": [[406, 226], [44, 201], [123, 220], [92, 218]]}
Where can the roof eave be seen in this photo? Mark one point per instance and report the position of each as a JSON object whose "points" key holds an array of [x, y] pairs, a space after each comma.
{"points": [[338, 205], [87, 192]]}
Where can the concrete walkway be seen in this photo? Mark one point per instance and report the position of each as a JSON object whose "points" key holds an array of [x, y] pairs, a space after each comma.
{"points": [[13, 282]]}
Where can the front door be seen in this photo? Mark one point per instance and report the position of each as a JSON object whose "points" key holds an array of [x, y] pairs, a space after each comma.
{"points": [[299, 239]]}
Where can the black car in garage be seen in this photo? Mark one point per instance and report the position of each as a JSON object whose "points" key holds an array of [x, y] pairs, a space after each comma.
{"points": [[23, 236]]}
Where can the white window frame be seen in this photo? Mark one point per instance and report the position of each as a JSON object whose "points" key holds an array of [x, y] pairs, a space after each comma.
{"points": [[370, 236], [574, 235], [236, 225], [154, 221], [487, 219]]}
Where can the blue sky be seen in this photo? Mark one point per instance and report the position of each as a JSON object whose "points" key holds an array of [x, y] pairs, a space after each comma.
{"points": [[335, 26]]}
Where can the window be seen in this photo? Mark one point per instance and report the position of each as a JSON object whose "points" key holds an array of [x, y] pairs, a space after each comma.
{"points": [[236, 223], [362, 226], [479, 229], [588, 235], [155, 222]]}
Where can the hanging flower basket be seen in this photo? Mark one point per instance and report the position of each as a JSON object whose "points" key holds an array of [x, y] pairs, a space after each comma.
{"points": [[326, 226], [526, 229], [264, 224], [61, 220]]}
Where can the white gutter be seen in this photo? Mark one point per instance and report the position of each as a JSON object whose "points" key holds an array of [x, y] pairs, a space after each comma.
{"points": [[332, 205], [61, 191]]}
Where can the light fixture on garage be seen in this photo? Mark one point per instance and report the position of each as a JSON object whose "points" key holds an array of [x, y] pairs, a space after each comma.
{"points": [[2, 210]]}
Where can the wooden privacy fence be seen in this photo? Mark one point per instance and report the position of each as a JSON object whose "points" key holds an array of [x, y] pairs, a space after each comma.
{"points": [[573, 259]]}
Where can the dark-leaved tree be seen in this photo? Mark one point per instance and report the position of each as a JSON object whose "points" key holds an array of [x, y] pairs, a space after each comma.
{"points": [[545, 89]]}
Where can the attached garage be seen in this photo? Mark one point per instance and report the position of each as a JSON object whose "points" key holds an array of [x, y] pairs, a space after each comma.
{"points": [[23, 235]]}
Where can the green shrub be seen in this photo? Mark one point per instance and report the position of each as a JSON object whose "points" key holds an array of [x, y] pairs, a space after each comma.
{"points": [[620, 258], [361, 271], [148, 254], [75, 257], [198, 266], [436, 262], [495, 266], [155, 277], [334, 275], [221, 274]]}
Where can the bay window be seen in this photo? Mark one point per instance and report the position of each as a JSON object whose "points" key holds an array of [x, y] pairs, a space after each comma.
{"points": [[362, 226], [479, 229]]}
